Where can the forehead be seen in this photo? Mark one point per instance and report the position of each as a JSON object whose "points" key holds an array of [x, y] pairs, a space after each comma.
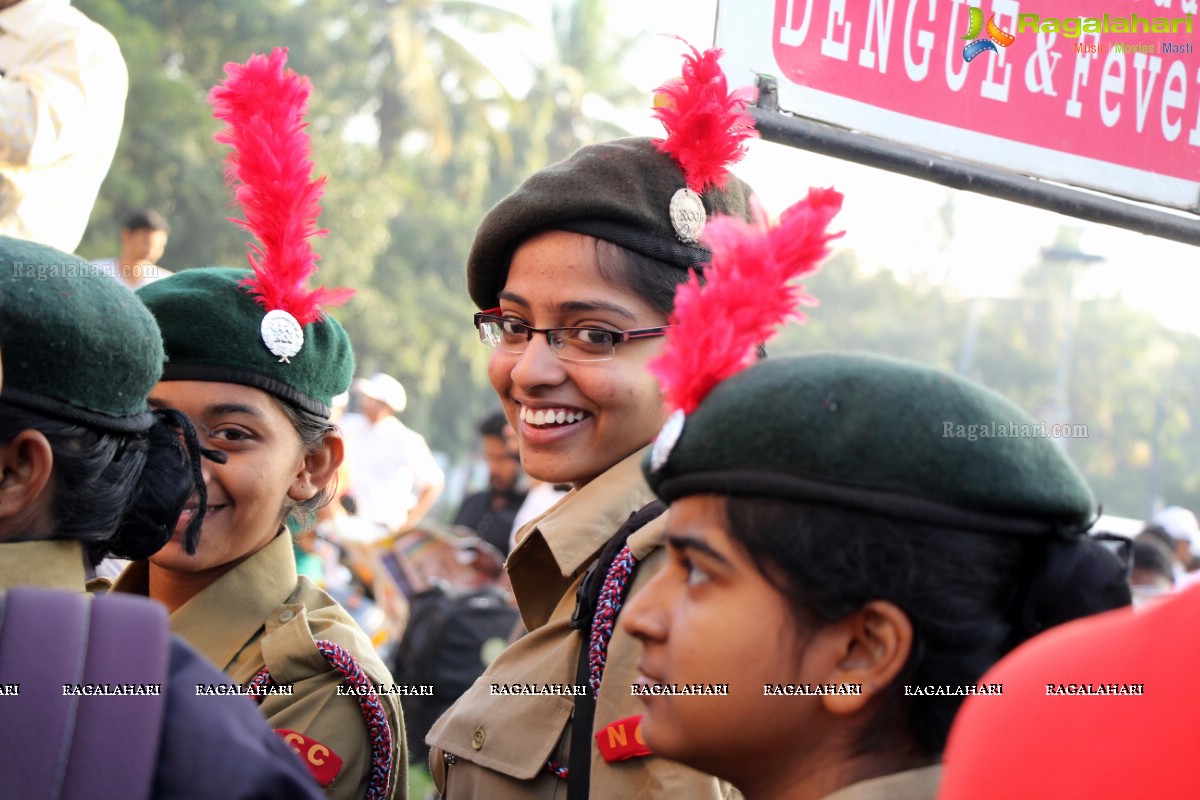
{"points": [[556, 268], [207, 399]]}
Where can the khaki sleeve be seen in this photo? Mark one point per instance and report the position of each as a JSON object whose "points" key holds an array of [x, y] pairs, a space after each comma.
{"points": [[316, 711], [322, 710]]}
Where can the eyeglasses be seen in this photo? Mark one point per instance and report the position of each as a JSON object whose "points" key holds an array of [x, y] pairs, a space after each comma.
{"points": [[567, 344]]}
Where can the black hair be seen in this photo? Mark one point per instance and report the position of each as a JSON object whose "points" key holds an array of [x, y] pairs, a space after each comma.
{"points": [[650, 279], [493, 424], [147, 219], [971, 597], [1160, 534], [300, 515], [1149, 553], [119, 493]]}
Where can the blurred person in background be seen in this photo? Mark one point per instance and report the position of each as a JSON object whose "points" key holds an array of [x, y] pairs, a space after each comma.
{"points": [[1153, 575], [63, 83], [1182, 527], [490, 513], [394, 479], [144, 237]]}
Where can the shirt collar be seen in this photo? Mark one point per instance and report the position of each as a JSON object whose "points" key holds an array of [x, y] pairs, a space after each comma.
{"points": [[21, 19], [570, 535], [224, 617], [54, 564]]}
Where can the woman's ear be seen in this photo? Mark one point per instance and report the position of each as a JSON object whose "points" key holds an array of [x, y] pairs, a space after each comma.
{"points": [[319, 468], [873, 644], [26, 464]]}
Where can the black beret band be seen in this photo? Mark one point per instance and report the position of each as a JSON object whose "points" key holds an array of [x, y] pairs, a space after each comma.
{"points": [[134, 423], [219, 373], [768, 483]]}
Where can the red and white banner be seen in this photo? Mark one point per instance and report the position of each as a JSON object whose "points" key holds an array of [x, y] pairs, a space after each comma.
{"points": [[1103, 94]]}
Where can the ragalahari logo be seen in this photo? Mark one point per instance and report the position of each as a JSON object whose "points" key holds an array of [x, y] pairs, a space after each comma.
{"points": [[995, 35]]}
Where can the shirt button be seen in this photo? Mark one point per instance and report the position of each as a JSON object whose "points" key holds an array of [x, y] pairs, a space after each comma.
{"points": [[477, 738], [286, 614], [450, 758]]}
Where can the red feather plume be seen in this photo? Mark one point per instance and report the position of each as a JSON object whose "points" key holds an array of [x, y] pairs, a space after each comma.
{"points": [[707, 125], [269, 169], [747, 296]]}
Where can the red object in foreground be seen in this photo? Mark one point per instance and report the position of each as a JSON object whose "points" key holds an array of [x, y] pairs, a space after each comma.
{"points": [[1069, 723]]}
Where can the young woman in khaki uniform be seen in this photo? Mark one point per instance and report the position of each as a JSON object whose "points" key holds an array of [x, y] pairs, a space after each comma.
{"points": [[574, 275], [254, 363], [842, 567]]}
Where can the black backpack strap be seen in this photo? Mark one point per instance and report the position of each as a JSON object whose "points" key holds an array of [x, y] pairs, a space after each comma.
{"points": [[587, 598]]}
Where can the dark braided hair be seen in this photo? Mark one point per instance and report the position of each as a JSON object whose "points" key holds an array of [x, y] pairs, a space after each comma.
{"points": [[119, 493]]}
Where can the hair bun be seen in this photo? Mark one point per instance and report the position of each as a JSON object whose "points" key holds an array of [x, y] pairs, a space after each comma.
{"points": [[1076, 577], [167, 480]]}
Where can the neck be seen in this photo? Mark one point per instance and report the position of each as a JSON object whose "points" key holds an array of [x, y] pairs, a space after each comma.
{"points": [[813, 779], [173, 589]]}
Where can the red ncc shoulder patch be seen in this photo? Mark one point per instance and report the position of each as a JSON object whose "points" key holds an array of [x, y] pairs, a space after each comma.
{"points": [[323, 763], [622, 740]]}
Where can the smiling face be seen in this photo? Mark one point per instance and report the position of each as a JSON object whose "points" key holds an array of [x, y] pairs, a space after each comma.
{"points": [[246, 495], [574, 420]]}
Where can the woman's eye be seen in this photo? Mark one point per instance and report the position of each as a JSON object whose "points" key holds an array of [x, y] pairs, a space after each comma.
{"points": [[695, 575], [230, 435], [589, 336], [513, 327]]}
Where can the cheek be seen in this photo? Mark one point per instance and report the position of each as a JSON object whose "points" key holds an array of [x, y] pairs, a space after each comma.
{"points": [[499, 372]]}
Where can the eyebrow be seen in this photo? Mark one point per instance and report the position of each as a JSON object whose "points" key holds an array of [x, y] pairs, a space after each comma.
{"points": [[220, 409], [692, 543], [574, 306]]}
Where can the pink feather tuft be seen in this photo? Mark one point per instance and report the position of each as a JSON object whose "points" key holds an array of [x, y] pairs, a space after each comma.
{"points": [[747, 296], [269, 169], [707, 125]]}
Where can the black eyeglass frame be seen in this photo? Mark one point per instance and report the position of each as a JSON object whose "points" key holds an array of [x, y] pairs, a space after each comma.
{"points": [[617, 337]]}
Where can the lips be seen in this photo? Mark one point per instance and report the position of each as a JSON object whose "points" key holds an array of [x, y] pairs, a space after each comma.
{"points": [[189, 512]]}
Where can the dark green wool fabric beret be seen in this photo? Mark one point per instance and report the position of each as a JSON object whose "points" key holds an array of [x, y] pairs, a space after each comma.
{"points": [[212, 332], [875, 434], [77, 344], [619, 191]]}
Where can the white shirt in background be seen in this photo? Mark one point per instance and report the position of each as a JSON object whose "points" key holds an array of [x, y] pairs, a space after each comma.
{"points": [[62, 103], [388, 464]]}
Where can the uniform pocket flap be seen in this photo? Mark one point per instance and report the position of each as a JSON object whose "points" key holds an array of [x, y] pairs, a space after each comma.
{"points": [[508, 727]]}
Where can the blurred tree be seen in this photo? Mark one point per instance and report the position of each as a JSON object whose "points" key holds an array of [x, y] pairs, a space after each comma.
{"points": [[428, 74]]}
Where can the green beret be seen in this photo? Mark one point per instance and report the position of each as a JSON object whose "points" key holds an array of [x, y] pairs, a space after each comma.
{"points": [[212, 332], [77, 344], [619, 191], [875, 434]]}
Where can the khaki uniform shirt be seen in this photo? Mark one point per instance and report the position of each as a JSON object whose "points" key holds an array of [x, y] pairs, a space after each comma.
{"points": [[913, 784], [259, 614], [51, 564], [495, 747]]}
